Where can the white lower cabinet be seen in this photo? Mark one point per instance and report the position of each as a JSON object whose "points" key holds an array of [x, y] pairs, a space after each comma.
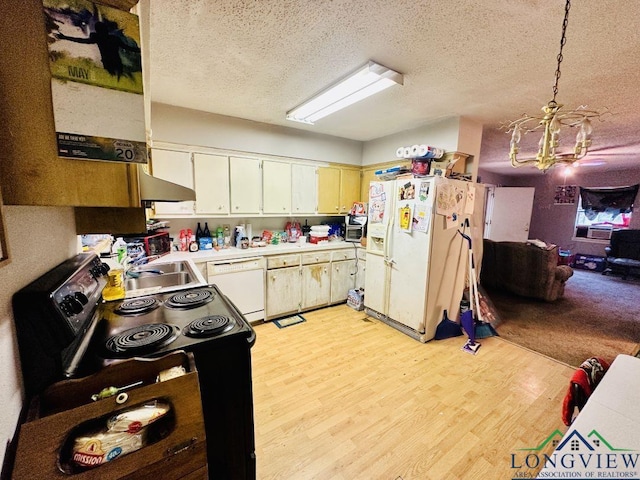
{"points": [[343, 279], [316, 279], [316, 285], [361, 268], [298, 282], [283, 291]]}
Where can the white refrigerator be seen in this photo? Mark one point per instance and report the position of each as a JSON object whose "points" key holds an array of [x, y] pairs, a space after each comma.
{"points": [[416, 261]]}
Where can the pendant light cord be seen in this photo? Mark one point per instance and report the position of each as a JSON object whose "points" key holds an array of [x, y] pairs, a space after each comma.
{"points": [[563, 40]]}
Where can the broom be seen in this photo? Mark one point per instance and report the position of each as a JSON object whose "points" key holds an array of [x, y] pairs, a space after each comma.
{"points": [[466, 316]]}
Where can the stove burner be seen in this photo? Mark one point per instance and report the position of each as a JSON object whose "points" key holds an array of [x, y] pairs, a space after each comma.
{"points": [[208, 326], [137, 306], [143, 338], [190, 299]]}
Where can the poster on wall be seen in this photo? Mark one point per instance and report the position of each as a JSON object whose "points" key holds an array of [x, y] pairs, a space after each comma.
{"points": [[94, 44], [565, 195]]}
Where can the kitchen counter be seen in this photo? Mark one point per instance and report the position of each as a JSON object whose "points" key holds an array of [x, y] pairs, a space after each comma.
{"points": [[236, 253]]}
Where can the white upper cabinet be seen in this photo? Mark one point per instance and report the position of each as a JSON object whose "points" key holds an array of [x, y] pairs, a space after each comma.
{"points": [[245, 176], [304, 190], [211, 177], [276, 187], [176, 167]]}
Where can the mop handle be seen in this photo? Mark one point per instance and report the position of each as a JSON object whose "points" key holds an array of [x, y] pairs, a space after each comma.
{"points": [[474, 297]]}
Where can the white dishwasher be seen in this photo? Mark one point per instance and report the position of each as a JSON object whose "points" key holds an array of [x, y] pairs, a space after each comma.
{"points": [[242, 280]]}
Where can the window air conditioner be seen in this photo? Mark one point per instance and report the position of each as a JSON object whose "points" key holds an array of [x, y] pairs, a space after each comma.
{"points": [[599, 232]]}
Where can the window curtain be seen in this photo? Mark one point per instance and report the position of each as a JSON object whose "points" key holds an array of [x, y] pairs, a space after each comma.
{"points": [[608, 200]]}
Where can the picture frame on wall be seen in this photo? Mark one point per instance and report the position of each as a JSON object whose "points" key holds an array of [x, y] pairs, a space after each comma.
{"points": [[565, 195]]}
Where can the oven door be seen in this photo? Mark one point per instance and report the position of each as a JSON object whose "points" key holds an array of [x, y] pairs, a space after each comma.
{"points": [[353, 233]]}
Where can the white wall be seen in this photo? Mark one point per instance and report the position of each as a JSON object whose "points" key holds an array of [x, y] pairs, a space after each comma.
{"points": [[192, 127], [38, 239]]}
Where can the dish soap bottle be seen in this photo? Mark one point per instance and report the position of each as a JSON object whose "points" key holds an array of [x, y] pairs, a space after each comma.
{"points": [[115, 285]]}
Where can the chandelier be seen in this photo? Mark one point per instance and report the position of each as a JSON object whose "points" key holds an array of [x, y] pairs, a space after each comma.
{"points": [[551, 122]]}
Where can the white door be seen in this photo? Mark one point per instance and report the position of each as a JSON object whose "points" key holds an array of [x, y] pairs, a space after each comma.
{"points": [[176, 167], [245, 177], [375, 284], [508, 213], [408, 258], [211, 177], [276, 187], [304, 190]]}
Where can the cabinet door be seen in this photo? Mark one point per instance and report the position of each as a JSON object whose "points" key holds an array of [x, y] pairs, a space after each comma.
{"points": [[211, 178], [349, 189], [329, 190], [343, 279], [176, 167], [361, 273], [245, 176], [304, 191], [283, 291], [316, 285], [276, 187]]}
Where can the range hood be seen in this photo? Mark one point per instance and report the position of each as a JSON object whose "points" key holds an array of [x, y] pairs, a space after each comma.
{"points": [[153, 189]]}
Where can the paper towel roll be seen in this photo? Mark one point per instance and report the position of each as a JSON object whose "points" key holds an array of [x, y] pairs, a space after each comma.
{"points": [[415, 149], [407, 152], [399, 154]]}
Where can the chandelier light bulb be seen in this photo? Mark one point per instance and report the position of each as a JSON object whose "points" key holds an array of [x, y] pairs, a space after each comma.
{"points": [[515, 137]]}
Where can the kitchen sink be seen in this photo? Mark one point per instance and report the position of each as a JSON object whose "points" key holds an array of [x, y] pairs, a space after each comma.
{"points": [[174, 279], [159, 277]]}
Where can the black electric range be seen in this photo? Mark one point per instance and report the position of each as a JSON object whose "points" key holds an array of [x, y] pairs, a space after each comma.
{"points": [[65, 330]]}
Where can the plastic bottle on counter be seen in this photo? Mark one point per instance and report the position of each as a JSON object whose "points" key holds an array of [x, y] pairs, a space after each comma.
{"points": [[227, 236], [119, 248], [239, 235], [220, 236]]}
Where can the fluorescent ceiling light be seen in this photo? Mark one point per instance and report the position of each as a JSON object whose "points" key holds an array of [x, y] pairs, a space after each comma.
{"points": [[366, 81]]}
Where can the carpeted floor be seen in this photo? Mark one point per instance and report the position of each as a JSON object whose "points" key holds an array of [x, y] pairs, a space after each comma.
{"points": [[598, 316]]}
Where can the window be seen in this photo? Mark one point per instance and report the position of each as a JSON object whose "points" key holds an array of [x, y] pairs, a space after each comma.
{"points": [[615, 220], [600, 210]]}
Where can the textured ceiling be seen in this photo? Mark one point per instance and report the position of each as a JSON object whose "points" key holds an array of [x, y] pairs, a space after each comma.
{"points": [[489, 60]]}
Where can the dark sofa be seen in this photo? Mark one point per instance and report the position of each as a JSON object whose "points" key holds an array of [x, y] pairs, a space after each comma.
{"points": [[623, 252], [524, 269]]}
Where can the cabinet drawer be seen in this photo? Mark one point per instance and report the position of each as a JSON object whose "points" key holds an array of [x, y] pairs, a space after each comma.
{"points": [[317, 257], [44, 443], [345, 254], [279, 261]]}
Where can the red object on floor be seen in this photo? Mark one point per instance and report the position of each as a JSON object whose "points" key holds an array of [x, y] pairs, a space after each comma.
{"points": [[583, 382]]}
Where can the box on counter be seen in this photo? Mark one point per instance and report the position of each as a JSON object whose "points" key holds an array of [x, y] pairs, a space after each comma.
{"points": [[205, 243], [589, 262]]}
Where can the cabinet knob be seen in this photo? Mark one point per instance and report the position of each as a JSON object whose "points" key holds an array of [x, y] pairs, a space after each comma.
{"points": [[284, 262], [273, 278]]}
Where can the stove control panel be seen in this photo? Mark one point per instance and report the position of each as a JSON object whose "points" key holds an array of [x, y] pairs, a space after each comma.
{"points": [[77, 297]]}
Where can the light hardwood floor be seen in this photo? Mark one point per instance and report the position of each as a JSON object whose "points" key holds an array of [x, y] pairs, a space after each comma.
{"points": [[343, 396]]}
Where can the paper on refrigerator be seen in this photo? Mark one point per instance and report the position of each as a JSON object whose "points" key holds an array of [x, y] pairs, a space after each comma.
{"points": [[450, 201], [377, 202]]}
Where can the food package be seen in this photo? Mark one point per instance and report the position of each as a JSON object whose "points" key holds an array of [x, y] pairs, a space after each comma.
{"points": [[134, 420], [124, 432], [101, 447]]}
